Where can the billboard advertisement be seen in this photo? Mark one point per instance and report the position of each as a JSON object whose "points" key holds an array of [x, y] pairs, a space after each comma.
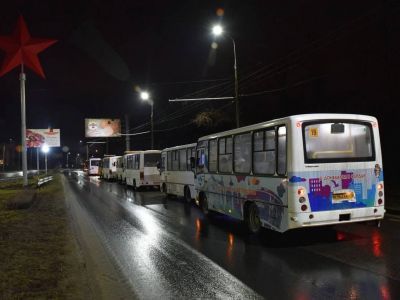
{"points": [[38, 137], [102, 128]]}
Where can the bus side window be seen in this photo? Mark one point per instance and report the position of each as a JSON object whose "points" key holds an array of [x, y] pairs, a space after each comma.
{"points": [[242, 146], [212, 162], [200, 161], [282, 150]]}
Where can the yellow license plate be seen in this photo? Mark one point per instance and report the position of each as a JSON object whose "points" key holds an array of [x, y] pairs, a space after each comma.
{"points": [[343, 196]]}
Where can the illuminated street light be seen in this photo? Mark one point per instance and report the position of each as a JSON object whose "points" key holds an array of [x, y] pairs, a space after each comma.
{"points": [[145, 96], [217, 30], [45, 150], [76, 160]]}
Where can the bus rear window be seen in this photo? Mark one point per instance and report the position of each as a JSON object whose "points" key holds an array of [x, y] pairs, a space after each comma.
{"points": [[95, 163], [338, 142], [152, 159]]}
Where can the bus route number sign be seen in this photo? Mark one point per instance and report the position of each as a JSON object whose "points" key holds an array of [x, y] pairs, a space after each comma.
{"points": [[313, 132]]}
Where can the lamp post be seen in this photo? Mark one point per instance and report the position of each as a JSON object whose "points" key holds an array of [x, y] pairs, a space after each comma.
{"points": [[218, 30], [76, 160], [145, 96], [68, 154], [45, 150]]}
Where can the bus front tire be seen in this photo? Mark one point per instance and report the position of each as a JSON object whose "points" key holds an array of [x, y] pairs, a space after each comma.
{"points": [[252, 218]]}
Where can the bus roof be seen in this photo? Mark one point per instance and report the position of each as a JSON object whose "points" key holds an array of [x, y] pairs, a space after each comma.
{"points": [[142, 151], [291, 119], [180, 147]]}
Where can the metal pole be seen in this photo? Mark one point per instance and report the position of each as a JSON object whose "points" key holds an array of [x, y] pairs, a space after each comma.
{"points": [[152, 126], [37, 159], [4, 156], [22, 79], [67, 159], [236, 85], [87, 152], [45, 161], [127, 137]]}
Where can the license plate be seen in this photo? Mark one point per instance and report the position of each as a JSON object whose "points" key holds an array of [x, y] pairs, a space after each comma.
{"points": [[343, 196]]}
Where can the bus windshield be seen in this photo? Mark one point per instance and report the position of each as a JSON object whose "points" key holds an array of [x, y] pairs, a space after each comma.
{"points": [[95, 163], [152, 159], [337, 142]]}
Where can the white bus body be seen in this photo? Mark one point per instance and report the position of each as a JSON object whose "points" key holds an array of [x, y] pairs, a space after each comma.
{"points": [[94, 166], [120, 174], [299, 171], [109, 170], [177, 171], [142, 168], [121, 166]]}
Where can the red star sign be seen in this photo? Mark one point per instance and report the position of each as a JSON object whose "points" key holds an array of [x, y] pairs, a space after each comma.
{"points": [[21, 48]]}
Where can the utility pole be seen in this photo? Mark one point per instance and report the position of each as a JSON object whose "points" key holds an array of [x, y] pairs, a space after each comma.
{"points": [[127, 137]]}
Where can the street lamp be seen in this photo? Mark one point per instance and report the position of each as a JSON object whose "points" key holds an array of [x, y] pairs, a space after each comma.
{"points": [[45, 150], [68, 154], [76, 160], [218, 30], [145, 96]]}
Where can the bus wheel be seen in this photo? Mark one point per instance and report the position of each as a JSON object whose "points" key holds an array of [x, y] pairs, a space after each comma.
{"points": [[188, 196], [253, 218], [204, 205]]}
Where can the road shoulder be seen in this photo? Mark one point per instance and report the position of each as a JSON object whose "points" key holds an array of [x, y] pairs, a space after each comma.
{"points": [[105, 281]]}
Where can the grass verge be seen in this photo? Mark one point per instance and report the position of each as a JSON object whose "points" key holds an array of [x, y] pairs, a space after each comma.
{"points": [[38, 255]]}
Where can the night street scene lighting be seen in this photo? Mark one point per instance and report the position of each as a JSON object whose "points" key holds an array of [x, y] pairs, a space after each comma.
{"points": [[199, 149], [145, 96], [217, 30]]}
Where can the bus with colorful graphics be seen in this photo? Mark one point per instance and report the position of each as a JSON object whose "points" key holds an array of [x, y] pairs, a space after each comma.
{"points": [[299, 171], [177, 171]]}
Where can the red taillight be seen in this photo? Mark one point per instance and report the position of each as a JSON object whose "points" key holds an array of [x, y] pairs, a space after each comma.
{"points": [[301, 192], [380, 201], [304, 207], [141, 175]]}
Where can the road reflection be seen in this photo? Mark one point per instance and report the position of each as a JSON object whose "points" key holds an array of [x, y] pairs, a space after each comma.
{"points": [[343, 262]]}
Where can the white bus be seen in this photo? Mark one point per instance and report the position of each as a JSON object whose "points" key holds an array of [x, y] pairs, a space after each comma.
{"points": [[109, 169], [94, 166], [143, 168], [299, 171], [177, 171], [120, 174]]}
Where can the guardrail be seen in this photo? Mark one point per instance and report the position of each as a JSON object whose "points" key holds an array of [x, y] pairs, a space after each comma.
{"points": [[44, 180]]}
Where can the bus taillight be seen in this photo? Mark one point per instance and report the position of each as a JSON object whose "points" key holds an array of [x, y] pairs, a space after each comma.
{"points": [[379, 186], [301, 192], [304, 207], [380, 201]]}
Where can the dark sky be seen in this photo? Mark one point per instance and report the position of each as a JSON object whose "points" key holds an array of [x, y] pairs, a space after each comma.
{"points": [[293, 57]]}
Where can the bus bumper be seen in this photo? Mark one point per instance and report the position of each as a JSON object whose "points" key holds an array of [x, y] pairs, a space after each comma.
{"points": [[321, 218]]}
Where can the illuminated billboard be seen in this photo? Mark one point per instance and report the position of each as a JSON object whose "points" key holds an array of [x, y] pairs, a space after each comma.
{"points": [[102, 128], [38, 137]]}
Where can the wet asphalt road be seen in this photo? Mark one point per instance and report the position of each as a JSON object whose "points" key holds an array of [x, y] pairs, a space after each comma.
{"points": [[166, 249]]}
